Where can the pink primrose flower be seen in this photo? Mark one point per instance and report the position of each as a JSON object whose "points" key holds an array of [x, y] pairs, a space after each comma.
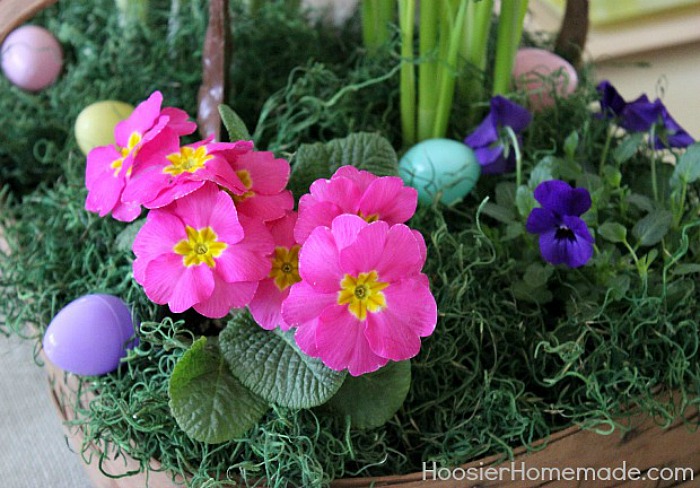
{"points": [[267, 303], [264, 178], [164, 172], [197, 252], [356, 192], [109, 167], [362, 299]]}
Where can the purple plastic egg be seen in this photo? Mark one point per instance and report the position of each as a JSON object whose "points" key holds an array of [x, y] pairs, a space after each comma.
{"points": [[90, 335], [32, 58], [541, 74]]}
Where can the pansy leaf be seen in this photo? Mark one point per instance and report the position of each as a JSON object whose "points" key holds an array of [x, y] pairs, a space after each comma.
{"points": [[370, 152], [546, 169], [628, 147], [653, 227], [688, 168], [642, 202], [505, 194], [524, 200], [237, 131], [525, 292], [498, 212], [372, 399], [207, 401], [537, 275], [686, 268], [125, 239], [271, 364], [613, 232], [571, 144]]}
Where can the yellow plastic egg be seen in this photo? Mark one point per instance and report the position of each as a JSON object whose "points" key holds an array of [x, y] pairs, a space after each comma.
{"points": [[95, 124]]}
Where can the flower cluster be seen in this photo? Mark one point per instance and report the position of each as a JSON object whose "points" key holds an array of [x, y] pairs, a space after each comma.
{"points": [[643, 115], [221, 233]]}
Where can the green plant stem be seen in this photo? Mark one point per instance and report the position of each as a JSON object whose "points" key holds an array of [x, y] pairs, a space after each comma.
{"points": [[477, 24], [376, 17], [427, 70], [408, 82], [518, 156], [510, 29], [606, 150], [654, 183], [448, 72]]}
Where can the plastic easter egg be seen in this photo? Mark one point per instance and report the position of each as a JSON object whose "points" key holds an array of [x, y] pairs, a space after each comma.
{"points": [[95, 123], [541, 74], [32, 58], [440, 167], [90, 335]]}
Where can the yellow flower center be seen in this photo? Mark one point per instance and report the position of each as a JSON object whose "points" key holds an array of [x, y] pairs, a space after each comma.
{"points": [[285, 267], [362, 294], [188, 160], [244, 176], [368, 218], [201, 246], [117, 164]]}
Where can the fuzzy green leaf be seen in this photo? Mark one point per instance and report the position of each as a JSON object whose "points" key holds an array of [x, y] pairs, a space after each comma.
{"points": [[686, 268], [524, 200], [364, 150], [613, 232], [628, 147], [498, 212], [125, 239], [688, 168], [237, 131], [537, 275], [652, 228], [271, 364], [372, 399], [207, 401], [571, 144], [642, 202], [546, 169]]}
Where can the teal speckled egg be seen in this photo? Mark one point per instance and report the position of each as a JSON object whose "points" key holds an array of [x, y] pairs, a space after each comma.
{"points": [[440, 166]]}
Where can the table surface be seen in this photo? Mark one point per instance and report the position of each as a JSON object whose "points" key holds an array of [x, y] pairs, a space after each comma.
{"points": [[33, 449]]}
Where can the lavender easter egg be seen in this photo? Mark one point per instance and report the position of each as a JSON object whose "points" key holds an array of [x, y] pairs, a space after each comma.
{"points": [[542, 74], [95, 124], [32, 58], [441, 167], [90, 335]]}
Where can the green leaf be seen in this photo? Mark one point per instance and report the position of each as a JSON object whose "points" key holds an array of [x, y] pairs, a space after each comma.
{"points": [[237, 131], [505, 194], [612, 176], [613, 232], [523, 291], [525, 200], [688, 168], [537, 275], [686, 268], [642, 202], [628, 147], [372, 399], [546, 169], [570, 145], [271, 364], [619, 285], [364, 150], [652, 228], [207, 401], [125, 239], [495, 211]]}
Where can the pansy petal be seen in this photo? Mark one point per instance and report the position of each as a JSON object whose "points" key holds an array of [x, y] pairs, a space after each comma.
{"points": [[341, 343], [389, 200], [540, 220], [319, 261], [366, 252], [573, 252], [305, 303], [484, 135], [266, 305], [225, 297], [507, 113], [578, 226], [552, 195]]}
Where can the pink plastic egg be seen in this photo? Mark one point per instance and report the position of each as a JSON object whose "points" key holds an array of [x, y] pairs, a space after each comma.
{"points": [[541, 74], [32, 58], [90, 335]]}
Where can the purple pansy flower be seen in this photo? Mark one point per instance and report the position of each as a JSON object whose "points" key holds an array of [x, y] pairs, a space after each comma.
{"points": [[487, 141], [564, 236], [641, 115]]}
